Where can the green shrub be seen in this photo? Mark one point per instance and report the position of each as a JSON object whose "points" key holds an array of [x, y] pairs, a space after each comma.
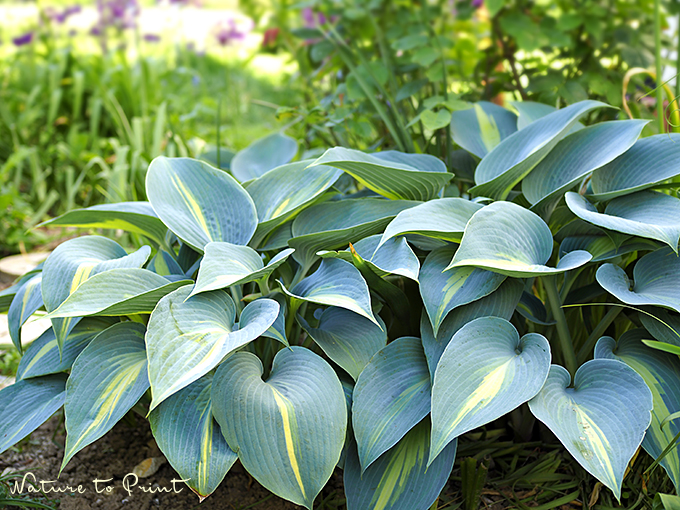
{"points": [[366, 310]]}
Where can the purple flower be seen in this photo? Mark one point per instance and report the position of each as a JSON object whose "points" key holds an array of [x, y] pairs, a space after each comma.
{"points": [[311, 20], [27, 38], [153, 38], [120, 14], [477, 3], [226, 32]]}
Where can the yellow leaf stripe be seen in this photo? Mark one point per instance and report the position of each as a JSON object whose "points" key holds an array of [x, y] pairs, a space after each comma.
{"points": [[593, 444], [192, 205], [289, 427], [488, 129], [82, 273]]}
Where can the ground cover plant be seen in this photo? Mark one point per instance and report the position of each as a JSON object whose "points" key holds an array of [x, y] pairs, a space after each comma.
{"points": [[365, 310]]}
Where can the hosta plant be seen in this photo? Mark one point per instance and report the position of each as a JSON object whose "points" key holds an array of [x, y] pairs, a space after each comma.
{"points": [[363, 311]]}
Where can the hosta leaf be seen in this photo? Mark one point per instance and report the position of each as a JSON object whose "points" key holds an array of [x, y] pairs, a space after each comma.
{"points": [[656, 279], [27, 300], [333, 225], [479, 129], [226, 264], [486, 371], [391, 174], [27, 404], [262, 155], [189, 336], [602, 248], [277, 331], [391, 396], [533, 309], [602, 420], [348, 388], [662, 375], [511, 160], [124, 291], [72, 263], [186, 432], [500, 303], [400, 479], [335, 283], [444, 218], [283, 192], [506, 238], [165, 264], [647, 214], [347, 338], [393, 257], [108, 377], [530, 111], [650, 161], [135, 217], [667, 331], [200, 203], [42, 356], [442, 291], [288, 430], [576, 156]]}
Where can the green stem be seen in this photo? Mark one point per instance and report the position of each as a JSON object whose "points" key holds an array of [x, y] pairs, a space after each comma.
{"points": [[263, 284], [562, 327], [599, 330], [677, 63], [659, 77]]}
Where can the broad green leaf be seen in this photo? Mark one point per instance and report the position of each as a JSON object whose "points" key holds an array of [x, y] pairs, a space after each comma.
{"points": [[72, 263], [186, 433], [443, 218], [511, 160], [400, 479], [663, 346], [27, 404], [108, 377], [280, 194], [391, 174], [348, 388], [135, 217], [333, 225], [225, 265], [289, 430], [486, 371], [530, 111], [576, 156], [122, 291], [668, 502], [533, 309], [500, 303], [200, 203], [42, 356], [656, 278], [602, 420], [442, 291], [667, 331], [602, 248], [393, 257], [277, 331], [262, 155], [210, 157], [648, 214], [434, 121], [189, 336], [349, 339], [479, 129], [506, 238], [650, 161], [165, 264], [335, 283], [662, 375], [391, 396], [27, 301]]}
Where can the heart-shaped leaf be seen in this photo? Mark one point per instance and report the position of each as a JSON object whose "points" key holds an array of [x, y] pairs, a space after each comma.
{"points": [[108, 378], [662, 375], [486, 371], [225, 265], [391, 174], [335, 283], [434, 121], [27, 404], [602, 420], [667, 331], [189, 336], [27, 300], [262, 155], [656, 277], [186, 432], [647, 214], [288, 430], [347, 338], [479, 129], [400, 478], [391, 396], [442, 291], [200, 203], [506, 238]]}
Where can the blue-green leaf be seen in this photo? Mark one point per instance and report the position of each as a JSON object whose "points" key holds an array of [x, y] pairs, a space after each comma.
{"points": [[200, 203], [27, 300], [667, 331], [602, 420], [486, 371], [262, 155], [530, 111], [479, 129], [289, 430]]}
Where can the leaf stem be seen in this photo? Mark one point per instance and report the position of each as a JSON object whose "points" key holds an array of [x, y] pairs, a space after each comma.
{"points": [[659, 70], [599, 330], [562, 327]]}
